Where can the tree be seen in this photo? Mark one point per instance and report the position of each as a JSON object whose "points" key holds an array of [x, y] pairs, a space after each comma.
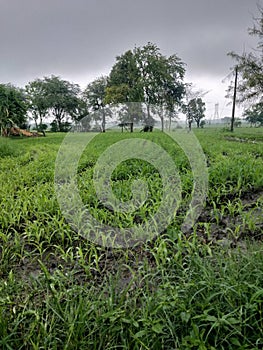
{"points": [[192, 94], [189, 116], [38, 102], [195, 111], [13, 106], [94, 95], [174, 88], [116, 94], [161, 78], [254, 115], [80, 110], [123, 82], [250, 68], [62, 99], [145, 75]]}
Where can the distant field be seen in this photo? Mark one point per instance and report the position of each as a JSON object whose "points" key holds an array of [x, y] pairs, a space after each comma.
{"points": [[198, 289]]}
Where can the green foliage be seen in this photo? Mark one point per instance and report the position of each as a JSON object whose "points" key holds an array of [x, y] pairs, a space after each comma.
{"points": [[95, 94], [202, 124], [145, 75], [250, 67], [38, 102], [124, 80], [160, 77], [195, 110], [63, 127], [141, 75], [62, 98], [13, 106], [117, 94], [254, 115], [58, 96]]}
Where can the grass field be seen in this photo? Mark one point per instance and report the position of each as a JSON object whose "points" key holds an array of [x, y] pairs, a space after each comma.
{"points": [[198, 289]]}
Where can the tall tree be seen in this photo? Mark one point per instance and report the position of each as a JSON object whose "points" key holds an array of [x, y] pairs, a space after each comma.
{"points": [[145, 75], [195, 111], [38, 102], [95, 94], [62, 99], [161, 78], [192, 95]]}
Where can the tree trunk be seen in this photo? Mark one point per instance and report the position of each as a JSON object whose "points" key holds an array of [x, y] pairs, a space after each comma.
{"points": [[148, 113], [103, 124], [35, 117], [59, 124], [162, 120], [170, 121]]}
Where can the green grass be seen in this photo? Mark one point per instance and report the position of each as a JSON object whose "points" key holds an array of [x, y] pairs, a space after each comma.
{"points": [[201, 289]]}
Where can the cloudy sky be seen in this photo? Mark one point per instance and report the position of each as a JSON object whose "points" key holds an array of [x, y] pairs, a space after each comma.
{"points": [[80, 39]]}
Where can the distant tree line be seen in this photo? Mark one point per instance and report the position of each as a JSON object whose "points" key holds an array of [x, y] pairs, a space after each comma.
{"points": [[143, 82]]}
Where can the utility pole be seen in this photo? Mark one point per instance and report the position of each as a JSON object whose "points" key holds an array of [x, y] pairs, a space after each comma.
{"points": [[234, 101]]}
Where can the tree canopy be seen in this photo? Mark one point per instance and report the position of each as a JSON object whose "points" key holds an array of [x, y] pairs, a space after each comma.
{"points": [[146, 75], [62, 98], [195, 111], [250, 67], [94, 95], [254, 114], [13, 106], [38, 103], [55, 96]]}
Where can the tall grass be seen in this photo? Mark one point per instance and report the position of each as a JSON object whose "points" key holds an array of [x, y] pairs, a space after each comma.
{"points": [[189, 300]]}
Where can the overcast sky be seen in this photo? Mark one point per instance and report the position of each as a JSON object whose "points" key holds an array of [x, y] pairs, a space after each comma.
{"points": [[80, 39]]}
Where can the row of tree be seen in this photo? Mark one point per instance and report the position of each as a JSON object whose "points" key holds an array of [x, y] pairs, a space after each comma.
{"points": [[143, 82]]}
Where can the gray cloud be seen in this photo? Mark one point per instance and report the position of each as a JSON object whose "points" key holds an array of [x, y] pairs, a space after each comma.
{"points": [[80, 39]]}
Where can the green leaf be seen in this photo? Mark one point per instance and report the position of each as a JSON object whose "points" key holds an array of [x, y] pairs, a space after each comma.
{"points": [[140, 334], [157, 328], [235, 341], [185, 316]]}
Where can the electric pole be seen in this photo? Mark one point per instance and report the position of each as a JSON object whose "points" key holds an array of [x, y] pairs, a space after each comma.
{"points": [[234, 102]]}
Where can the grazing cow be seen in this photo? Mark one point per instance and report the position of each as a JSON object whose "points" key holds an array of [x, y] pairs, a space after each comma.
{"points": [[147, 128]]}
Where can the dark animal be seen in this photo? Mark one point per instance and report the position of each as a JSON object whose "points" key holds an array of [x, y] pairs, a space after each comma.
{"points": [[147, 128]]}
